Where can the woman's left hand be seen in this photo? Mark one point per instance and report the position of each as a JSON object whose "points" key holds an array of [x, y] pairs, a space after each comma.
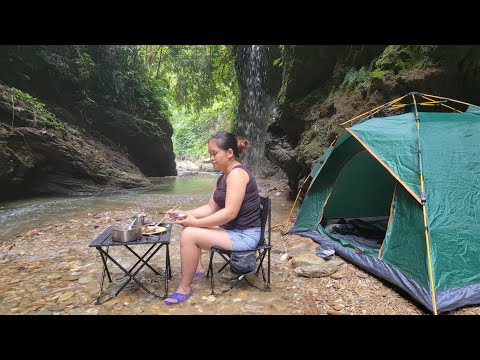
{"points": [[190, 220]]}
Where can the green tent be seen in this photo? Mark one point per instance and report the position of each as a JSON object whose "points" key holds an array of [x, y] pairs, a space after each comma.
{"points": [[399, 196]]}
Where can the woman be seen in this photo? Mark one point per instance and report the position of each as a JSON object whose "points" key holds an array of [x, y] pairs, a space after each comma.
{"points": [[230, 220]]}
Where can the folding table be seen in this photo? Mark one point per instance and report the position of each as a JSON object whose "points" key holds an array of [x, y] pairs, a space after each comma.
{"points": [[156, 241]]}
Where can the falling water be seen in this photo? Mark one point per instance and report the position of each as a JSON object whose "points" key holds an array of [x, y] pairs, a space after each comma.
{"points": [[260, 82]]}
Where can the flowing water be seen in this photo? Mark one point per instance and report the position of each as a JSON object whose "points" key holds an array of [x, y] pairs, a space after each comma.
{"points": [[257, 101], [18, 215]]}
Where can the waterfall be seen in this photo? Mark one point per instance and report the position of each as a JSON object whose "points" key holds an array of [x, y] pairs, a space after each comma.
{"points": [[259, 82]]}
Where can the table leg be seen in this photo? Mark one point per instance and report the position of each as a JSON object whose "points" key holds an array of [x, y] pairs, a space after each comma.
{"points": [[168, 272], [169, 266], [141, 259], [102, 278], [133, 276]]}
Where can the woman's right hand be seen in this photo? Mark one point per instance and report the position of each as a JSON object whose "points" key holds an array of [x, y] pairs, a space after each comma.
{"points": [[172, 211]]}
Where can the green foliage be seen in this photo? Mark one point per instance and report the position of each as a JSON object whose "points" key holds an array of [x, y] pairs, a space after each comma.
{"points": [[356, 78], [122, 78], [41, 116], [201, 91], [406, 58], [85, 65], [377, 73], [192, 131], [279, 61], [196, 76], [151, 82]]}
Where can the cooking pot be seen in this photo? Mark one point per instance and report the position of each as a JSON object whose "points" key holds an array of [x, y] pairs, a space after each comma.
{"points": [[126, 233]]}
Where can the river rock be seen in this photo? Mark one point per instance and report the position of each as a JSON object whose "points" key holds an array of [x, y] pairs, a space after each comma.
{"points": [[306, 258], [64, 297], [84, 280], [186, 165], [313, 271], [297, 249], [340, 274]]}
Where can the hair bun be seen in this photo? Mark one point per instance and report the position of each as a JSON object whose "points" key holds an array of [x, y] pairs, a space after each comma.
{"points": [[242, 143]]}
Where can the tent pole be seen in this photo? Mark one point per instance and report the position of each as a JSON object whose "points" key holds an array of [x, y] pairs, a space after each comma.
{"points": [[449, 107], [378, 107], [299, 191], [424, 199], [389, 219], [439, 97]]}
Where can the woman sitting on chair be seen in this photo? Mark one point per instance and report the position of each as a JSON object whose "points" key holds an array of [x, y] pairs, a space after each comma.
{"points": [[230, 220]]}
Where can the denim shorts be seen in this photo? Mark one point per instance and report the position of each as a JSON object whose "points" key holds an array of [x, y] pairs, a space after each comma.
{"points": [[244, 239]]}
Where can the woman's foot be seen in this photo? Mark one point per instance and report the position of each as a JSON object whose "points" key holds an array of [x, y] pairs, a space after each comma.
{"points": [[199, 273], [178, 296]]}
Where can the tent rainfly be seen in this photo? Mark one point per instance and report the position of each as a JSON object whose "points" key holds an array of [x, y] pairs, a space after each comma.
{"points": [[399, 195]]}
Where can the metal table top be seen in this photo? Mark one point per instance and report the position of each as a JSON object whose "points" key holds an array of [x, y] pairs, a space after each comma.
{"points": [[105, 238]]}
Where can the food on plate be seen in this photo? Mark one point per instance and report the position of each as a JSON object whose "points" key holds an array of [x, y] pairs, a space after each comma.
{"points": [[149, 230]]}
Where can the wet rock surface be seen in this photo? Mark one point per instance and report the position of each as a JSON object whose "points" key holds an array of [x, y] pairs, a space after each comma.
{"points": [[53, 271]]}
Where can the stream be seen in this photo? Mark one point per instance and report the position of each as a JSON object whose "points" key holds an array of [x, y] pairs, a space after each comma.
{"points": [[22, 215]]}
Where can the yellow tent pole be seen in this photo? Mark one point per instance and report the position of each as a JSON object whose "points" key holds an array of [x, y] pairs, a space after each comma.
{"points": [[461, 102], [439, 97], [451, 108], [378, 107], [427, 240], [425, 223], [299, 191], [356, 117], [398, 106], [444, 105], [434, 96]]}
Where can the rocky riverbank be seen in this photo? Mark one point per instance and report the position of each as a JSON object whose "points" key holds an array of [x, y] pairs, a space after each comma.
{"points": [[51, 270]]}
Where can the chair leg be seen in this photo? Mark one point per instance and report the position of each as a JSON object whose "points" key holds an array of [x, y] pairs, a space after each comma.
{"points": [[210, 271], [268, 276], [235, 283], [209, 265], [255, 286]]}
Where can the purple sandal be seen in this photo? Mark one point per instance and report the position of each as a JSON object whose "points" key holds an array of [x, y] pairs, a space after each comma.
{"points": [[199, 274], [177, 296]]}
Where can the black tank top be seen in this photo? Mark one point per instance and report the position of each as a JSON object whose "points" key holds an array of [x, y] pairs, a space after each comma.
{"points": [[249, 214]]}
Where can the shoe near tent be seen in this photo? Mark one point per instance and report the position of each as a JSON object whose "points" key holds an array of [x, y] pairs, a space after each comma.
{"points": [[419, 173]]}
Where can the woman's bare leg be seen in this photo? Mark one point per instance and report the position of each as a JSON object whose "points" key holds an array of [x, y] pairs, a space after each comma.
{"points": [[192, 241], [199, 265]]}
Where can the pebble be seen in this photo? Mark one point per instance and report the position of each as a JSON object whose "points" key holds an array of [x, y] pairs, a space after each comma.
{"points": [[66, 296], [85, 280]]}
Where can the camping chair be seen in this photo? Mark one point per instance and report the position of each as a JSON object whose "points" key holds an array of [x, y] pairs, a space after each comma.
{"points": [[263, 248]]}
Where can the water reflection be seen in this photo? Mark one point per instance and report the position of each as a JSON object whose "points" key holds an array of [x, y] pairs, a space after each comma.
{"points": [[17, 215]]}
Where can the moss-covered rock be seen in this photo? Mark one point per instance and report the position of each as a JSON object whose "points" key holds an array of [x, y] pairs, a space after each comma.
{"points": [[41, 154], [100, 89]]}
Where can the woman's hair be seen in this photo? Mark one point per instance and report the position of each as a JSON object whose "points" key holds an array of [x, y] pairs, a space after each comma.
{"points": [[227, 140]]}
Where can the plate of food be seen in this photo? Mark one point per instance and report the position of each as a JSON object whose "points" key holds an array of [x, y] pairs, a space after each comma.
{"points": [[153, 229]]}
